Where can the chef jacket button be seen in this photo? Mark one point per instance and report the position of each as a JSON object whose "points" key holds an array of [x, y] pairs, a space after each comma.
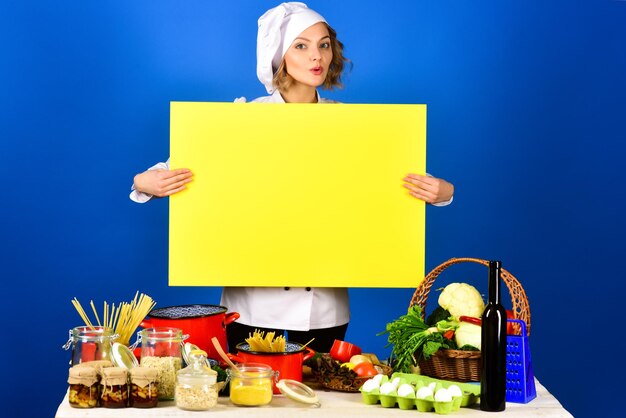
{"points": [[308, 289], [286, 288]]}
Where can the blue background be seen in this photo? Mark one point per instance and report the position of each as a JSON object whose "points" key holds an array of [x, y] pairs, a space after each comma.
{"points": [[526, 111]]}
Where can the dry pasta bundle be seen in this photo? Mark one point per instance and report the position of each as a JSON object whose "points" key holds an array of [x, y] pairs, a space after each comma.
{"points": [[123, 319], [266, 344]]}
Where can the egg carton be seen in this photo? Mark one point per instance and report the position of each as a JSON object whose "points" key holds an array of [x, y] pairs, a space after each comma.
{"points": [[470, 395]]}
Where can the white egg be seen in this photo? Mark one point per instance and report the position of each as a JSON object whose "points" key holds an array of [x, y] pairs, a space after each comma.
{"points": [[424, 392], [455, 391], [370, 385], [387, 388], [406, 390], [432, 385], [396, 381], [378, 378], [443, 395]]}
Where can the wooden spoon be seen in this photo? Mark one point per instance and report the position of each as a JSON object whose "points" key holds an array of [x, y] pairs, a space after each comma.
{"points": [[308, 342], [222, 354]]}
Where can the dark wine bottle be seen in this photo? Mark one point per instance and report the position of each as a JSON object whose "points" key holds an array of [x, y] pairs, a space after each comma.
{"points": [[493, 347]]}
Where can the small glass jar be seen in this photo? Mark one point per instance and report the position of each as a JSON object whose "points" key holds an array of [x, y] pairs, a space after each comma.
{"points": [[144, 389], [90, 344], [251, 385], [196, 384], [114, 388], [83, 391], [161, 350]]}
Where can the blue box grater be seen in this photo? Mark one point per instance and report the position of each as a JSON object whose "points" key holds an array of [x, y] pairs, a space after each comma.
{"points": [[520, 379]]}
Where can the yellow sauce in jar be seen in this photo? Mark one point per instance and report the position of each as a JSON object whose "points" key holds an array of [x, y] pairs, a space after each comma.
{"points": [[251, 389]]}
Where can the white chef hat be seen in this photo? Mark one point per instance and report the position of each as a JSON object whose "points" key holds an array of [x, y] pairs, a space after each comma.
{"points": [[278, 28]]}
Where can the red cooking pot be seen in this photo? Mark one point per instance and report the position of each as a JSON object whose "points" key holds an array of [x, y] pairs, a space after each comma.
{"points": [[200, 322], [288, 364]]}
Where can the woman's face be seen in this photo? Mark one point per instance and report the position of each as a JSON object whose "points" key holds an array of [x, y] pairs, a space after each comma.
{"points": [[309, 56]]}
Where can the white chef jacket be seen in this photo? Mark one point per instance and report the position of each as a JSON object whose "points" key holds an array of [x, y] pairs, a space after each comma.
{"points": [[290, 308]]}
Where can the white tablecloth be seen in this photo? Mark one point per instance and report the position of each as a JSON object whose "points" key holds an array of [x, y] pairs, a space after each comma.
{"points": [[333, 404]]}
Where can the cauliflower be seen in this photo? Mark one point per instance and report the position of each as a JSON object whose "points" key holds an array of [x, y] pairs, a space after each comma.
{"points": [[461, 299], [468, 334]]}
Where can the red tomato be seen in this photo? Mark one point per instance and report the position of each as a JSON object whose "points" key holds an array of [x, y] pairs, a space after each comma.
{"points": [[365, 369], [510, 330]]}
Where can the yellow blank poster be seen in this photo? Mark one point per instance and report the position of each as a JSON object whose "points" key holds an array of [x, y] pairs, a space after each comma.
{"points": [[297, 195]]}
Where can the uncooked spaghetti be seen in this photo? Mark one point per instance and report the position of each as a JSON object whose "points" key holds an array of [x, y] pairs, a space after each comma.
{"points": [[123, 318], [266, 344]]}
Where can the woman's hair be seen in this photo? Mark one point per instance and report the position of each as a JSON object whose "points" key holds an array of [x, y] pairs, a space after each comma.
{"points": [[282, 81]]}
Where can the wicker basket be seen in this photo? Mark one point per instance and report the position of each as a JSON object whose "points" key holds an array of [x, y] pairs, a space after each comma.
{"points": [[339, 384], [464, 366]]}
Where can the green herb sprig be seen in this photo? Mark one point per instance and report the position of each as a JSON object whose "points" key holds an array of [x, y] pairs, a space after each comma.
{"points": [[413, 339]]}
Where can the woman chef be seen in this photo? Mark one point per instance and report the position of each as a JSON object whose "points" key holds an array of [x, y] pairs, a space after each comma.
{"points": [[297, 51]]}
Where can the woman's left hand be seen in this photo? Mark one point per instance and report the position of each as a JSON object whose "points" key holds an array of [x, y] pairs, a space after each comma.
{"points": [[429, 189]]}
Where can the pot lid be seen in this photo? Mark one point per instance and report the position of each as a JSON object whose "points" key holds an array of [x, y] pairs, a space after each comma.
{"points": [[123, 357], [297, 391], [186, 311]]}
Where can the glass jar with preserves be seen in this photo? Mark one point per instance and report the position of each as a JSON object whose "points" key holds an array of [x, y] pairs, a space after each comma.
{"points": [[114, 387], [90, 344], [83, 391], [196, 384], [251, 384], [144, 389], [161, 350]]}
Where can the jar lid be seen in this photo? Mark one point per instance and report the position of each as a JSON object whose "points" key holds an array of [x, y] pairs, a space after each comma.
{"points": [[144, 372], [114, 372], [143, 376], [188, 348], [197, 372], [123, 357], [298, 391], [186, 351], [83, 371], [114, 376], [82, 375]]}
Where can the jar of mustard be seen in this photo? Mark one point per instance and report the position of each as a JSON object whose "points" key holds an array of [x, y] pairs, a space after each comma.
{"points": [[251, 384]]}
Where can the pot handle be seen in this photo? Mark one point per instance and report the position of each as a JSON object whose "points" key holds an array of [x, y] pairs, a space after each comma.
{"points": [[310, 353], [146, 324], [231, 317], [233, 357]]}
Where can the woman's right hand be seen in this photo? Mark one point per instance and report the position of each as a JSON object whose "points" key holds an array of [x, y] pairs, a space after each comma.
{"points": [[162, 182]]}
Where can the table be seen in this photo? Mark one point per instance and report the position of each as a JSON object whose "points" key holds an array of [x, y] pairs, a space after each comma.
{"points": [[333, 404]]}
